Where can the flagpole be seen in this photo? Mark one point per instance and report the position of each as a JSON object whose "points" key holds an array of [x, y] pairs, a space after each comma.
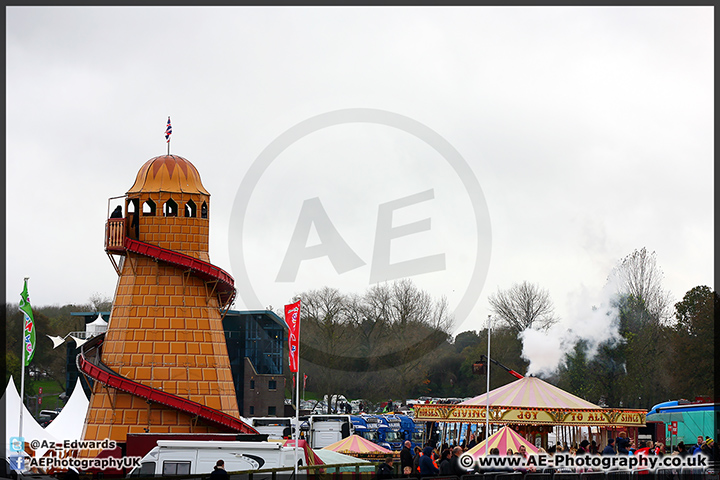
{"points": [[168, 132], [487, 394], [22, 370], [297, 398], [22, 378]]}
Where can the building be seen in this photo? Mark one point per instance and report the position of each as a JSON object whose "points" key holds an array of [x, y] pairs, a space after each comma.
{"points": [[255, 341]]}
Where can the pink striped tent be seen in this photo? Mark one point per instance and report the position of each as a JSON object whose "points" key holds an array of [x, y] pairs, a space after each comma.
{"points": [[503, 439], [356, 444], [531, 392]]}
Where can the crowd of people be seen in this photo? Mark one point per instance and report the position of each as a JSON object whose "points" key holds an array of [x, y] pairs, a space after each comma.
{"points": [[431, 461], [427, 462], [622, 445]]}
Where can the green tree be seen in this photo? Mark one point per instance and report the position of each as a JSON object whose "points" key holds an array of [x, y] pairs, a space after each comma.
{"points": [[466, 339], [573, 373], [692, 343], [505, 348], [49, 320]]}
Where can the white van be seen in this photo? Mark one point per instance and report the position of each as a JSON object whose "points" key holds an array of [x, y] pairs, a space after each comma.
{"points": [[277, 428], [325, 430], [188, 457]]}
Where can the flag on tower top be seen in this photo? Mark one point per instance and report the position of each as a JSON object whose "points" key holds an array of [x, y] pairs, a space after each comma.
{"points": [[168, 131]]}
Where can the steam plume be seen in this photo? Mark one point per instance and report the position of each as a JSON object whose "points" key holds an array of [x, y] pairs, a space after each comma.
{"points": [[546, 349]]}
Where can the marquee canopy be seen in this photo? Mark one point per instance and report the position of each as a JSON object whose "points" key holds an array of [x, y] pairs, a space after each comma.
{"points": [[530, 400], [532, 392]]}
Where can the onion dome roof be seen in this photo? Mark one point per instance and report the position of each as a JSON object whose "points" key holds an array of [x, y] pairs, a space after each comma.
{"points": [[168, 173]]}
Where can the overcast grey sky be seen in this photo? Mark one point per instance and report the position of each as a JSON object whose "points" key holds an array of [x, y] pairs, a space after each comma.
{"points": [[588, 130]]}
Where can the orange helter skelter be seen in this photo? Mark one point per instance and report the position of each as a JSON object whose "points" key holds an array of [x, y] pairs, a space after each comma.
{"points": [[162, 366]]}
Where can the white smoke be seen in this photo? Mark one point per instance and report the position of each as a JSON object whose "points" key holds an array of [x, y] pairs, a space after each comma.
{"points": [[593, 322]]}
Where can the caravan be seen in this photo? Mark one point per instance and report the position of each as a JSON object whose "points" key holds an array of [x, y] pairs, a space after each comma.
{"points": [[188, 457]]}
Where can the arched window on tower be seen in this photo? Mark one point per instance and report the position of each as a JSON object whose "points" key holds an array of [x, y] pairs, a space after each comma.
{"points": [[133, 205], [203, 211], [190, 209], [170, 208], [149, 208]]}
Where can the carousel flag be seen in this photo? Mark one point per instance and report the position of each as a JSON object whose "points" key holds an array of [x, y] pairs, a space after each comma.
{"points": [[292, 318], [29, 331]]}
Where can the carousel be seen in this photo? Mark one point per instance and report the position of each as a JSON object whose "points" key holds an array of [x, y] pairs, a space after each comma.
{"points": [[535, 409]]}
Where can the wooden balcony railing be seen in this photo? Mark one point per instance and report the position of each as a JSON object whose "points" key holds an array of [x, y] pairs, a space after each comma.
{"points": [[115, 235]]}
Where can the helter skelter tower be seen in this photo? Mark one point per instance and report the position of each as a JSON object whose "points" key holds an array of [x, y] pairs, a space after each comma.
{"points": [[162, 366]]}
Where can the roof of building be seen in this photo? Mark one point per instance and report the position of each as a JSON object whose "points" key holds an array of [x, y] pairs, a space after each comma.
{"points": [[168, 173], [268, 313]]}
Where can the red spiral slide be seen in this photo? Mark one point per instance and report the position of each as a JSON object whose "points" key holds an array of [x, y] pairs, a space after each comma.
{"points": [[88, 362]]}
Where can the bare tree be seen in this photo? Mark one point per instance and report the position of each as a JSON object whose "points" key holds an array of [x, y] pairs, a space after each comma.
{"points": [[380, 338], [638, 275], [324, 337], [523, 306], [413, 326], [99, 303]]}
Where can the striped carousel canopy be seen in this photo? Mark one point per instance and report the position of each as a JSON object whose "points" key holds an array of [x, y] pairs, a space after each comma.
{"points": [[503, 439], [531, 392], [356, 444]]}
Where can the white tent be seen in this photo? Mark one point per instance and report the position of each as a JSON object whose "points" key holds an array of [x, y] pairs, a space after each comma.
{"points": [[31, 430], [68, 425], [96, 327]]}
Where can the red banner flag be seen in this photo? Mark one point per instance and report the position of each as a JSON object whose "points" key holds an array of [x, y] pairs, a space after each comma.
{"points": [[304, 381], [292, 319]]}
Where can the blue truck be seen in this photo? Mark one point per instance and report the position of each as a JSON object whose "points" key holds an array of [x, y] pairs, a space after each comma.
{"points": [[413, 431], [367, 426], [390, 431], [394, 429]]}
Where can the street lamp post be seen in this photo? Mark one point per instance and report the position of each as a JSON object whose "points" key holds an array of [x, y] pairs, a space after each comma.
{"points": [[487, 394]]}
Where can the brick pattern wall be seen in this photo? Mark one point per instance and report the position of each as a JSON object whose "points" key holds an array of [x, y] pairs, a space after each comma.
{"points": [[165, 332], [188, 235]]}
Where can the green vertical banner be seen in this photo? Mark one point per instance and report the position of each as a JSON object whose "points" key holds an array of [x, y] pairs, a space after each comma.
{"points": [[29, 331]]}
